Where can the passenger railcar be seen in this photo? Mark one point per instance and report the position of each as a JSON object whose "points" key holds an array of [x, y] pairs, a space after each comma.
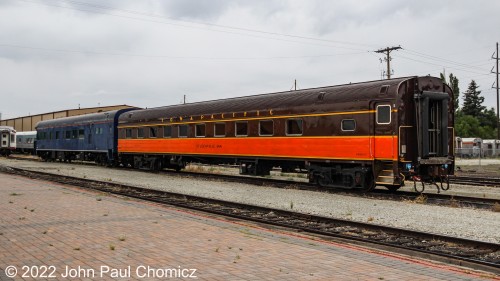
{"points": [[26, 142], [91, 137], [351, 136], [7, 140]]}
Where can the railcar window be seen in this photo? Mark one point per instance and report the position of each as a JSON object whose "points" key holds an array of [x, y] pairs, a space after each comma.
{"points": [[294, 127], [68, 135], [140, 132], [242, 129], [383, 114], [200, 130], [220, 129], [81, 134], [348, 125], [58, 135], [153, 132], [128, 133], [50, 135], [74, 134], [183, 131], [167, 131], [266, 128]]}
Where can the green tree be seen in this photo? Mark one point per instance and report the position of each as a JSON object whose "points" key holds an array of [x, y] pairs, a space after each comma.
{"points": [[473, 101], [453, 83]]}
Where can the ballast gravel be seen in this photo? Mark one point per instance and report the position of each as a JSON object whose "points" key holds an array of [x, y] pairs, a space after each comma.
{"points": [[459, 222]]}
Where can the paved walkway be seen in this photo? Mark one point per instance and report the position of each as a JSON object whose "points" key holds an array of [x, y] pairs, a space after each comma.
{"points": [[47, 229]]}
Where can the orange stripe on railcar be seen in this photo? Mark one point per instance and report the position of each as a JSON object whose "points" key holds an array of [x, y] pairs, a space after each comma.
{"points": [[355, 148]]}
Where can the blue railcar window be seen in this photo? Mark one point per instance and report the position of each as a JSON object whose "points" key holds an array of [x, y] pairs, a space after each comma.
{"points": [[81, 134], [140, 132], [57, 135], [74, 134], [294, 127], [183, 131], [153, 132], [50, 135], [68, 135], [348, 125], [167, 131]]}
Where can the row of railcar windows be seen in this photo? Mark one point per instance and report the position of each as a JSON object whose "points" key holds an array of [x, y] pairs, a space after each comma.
{"points": [[68, 134], [266, 128], [294, 127]]}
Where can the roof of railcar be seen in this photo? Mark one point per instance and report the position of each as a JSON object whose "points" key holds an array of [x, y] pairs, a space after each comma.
{"points": [[80, 119], [339, 93]]}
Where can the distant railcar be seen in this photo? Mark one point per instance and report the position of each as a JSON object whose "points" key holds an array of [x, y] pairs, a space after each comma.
{"points": [[26, 142], [352, 136], [7, 140], [91, 137]]}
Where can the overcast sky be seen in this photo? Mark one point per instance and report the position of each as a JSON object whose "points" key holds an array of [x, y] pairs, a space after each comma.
{"points": [[61, 54]]}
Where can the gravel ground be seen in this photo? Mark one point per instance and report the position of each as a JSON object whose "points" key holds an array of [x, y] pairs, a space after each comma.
{"points": [[461, 222]]}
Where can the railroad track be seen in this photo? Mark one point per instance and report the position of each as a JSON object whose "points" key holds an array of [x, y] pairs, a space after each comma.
{"points": [[476, 254], [440, 199], [482, 181]]}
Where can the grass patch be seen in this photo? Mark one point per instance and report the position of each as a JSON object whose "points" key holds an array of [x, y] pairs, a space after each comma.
{"points": [[421, 199], [15, 194], [111, 247], [496, 207]]}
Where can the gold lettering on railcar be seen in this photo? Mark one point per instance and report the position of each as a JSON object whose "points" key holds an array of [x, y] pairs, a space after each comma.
{"points": [[222, 116], [180, 118], [258, 113], [171, 120], [202, 117], [271, 112], [191, 118], [209, 146], [234, 114], [212, 117], [245, 114]]}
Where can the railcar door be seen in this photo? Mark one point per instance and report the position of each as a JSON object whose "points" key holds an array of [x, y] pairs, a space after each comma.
{"points": [[382, 139]]}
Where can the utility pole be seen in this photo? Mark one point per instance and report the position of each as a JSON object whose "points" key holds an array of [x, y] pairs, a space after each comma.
{"points": [[387, 51], [295, 84], [498, 96]]}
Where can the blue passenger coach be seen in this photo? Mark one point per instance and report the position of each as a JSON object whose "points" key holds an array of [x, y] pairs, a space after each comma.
{"points": [[90, 137]]}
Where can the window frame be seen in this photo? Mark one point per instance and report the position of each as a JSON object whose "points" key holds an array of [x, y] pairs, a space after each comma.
{"points": [[139, 135], [301, 126], [272, 126], [236, 128], [153, 131], [164, 130], [377, 114], [196, 130], [342, 125], [215, 129], [127, 130], [179, 131]]}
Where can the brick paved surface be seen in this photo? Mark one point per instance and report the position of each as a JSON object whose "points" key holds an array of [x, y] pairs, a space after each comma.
{"points": [[43, 223]]}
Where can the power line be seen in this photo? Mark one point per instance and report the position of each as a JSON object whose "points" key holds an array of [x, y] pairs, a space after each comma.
{"points": [[173, 57], [161, 20]]}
